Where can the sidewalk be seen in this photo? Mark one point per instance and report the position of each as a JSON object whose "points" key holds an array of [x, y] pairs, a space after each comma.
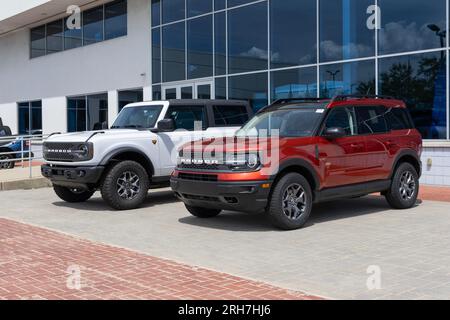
{"points": [[37, 263], [19, 178]]}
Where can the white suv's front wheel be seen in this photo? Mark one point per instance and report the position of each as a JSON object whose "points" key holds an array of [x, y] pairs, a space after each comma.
{"points": [[125, 185]]}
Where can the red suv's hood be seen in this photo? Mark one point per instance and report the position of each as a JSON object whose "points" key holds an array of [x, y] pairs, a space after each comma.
{"points": [[241, 145]]}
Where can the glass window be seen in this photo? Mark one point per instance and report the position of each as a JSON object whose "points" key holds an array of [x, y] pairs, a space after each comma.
{"points": [[156, 12], [420, 81], [397, 119], [221, 88], [156, 55], [197, 7], [76, 114], [186, 92], [420, 26], [344, 33], [72, 37], [295, 83], [115, 19], [219, 4], [220, 40], [156, 93], [37, 42], [200, 47], [55, 36], [138, 117], [130, 96], [233, 3], [247, 38], [174, 62], [93, 26], [343, 117], [347, 78], [173, 10], [186, 116], [371, 120], [171, 93], [250, 87], [204, 91], [97, 111], [30, 117], [24, 117], [298, 122], [293, 32], [230, 115]]}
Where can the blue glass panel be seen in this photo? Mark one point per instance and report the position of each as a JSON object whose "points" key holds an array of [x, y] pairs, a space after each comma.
{"points": [[200, 47]]}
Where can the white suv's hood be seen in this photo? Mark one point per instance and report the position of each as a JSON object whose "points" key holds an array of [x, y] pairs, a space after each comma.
{"points": [[83, 136]]}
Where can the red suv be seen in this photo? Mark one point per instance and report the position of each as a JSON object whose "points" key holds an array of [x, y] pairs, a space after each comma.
{"points": [[297, 152]]}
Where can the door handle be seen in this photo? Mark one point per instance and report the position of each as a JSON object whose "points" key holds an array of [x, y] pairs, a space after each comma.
{"points": [[390, 144], [356, 145]]}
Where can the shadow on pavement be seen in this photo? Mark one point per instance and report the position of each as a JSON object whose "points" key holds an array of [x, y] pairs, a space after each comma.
{"points": [[323, 212], [97, 204]]}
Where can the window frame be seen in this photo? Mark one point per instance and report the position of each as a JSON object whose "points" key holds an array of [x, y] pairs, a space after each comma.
{"points": [[213, 114], [382, 116], [205, 126], [323, 126]]}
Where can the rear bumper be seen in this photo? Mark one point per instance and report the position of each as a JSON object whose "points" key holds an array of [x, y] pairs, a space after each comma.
{"points": [[73, 177], [234, 196]]}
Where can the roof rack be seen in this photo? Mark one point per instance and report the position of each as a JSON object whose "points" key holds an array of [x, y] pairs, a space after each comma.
{"points": [[284, 100], [361, 96]]}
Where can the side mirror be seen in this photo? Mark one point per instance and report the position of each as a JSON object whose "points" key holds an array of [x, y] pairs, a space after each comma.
{"points": [[334, 133], [166, 125]]}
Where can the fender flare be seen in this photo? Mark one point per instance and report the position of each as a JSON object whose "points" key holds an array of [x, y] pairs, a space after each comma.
{"points": [[116, 152], [409, 153], [297, 162]]}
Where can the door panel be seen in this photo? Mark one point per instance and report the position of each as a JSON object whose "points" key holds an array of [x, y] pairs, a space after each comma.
{"points": [[343, 158]]}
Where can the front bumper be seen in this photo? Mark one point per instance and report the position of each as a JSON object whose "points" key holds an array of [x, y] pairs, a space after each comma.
{"points": [[73, 177], [234, 196]]}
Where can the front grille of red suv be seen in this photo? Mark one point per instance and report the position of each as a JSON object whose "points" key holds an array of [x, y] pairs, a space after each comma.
{"points": [[197, 177]]}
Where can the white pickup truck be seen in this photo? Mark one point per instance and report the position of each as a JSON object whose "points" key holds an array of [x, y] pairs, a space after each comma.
{"points": [[139, 151]]}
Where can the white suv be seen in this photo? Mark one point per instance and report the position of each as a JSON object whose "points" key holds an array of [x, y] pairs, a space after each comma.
{"points": [[139, 152]]}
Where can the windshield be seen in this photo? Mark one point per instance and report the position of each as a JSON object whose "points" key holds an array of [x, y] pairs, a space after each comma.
{"points": [[291, 122], [144, 117]]}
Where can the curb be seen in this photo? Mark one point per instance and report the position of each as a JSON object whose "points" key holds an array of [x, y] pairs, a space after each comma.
{"points": [[26, 184]]}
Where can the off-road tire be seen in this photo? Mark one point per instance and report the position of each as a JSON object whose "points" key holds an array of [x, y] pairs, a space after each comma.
{"points": [[275, 209], [110, 189], [394, 196], [203, 213], [72, 195]]}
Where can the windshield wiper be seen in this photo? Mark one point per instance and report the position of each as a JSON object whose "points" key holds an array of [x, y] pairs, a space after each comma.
{"points": [[128, 126]]}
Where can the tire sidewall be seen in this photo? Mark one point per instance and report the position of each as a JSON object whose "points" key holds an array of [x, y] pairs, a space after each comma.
{"points": [[275, 210], [394, 196], [109, 186]]}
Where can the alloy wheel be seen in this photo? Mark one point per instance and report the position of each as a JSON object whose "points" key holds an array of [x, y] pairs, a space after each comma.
{"points": [[407, 186], [294, 201], [128, 185]]}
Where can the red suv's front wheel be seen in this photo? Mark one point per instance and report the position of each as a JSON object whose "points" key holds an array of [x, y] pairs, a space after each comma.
{"points": [[291, 202]]}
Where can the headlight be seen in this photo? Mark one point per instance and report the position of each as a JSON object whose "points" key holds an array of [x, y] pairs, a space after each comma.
{"points": [[243, 162], [83, 152]]}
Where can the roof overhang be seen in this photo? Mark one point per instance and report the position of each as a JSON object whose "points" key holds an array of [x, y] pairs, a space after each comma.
{"points": [[15, 15]]}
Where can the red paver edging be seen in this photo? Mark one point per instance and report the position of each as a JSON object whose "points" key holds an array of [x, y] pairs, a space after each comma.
{"points": [[434, 193], [37, 263]]}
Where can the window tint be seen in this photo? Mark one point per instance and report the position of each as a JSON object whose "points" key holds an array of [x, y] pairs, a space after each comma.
{"points": [[186, 116], [37, 42], [30, 117], [55, 36], [115, 19], [93, 25], [371, 120], [230, 115], [343, 117], [397, 119]]}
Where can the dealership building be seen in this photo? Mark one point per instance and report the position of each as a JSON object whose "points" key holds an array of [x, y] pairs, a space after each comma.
{"points": [[71, 65]]}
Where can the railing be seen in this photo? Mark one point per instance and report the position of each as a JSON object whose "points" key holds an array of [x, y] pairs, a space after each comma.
{"points": [[20, 151]]}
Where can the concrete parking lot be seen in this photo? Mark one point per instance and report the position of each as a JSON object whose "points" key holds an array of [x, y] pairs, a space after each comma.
{"points": [[331, 257]]}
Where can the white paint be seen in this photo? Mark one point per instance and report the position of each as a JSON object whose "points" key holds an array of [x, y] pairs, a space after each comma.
{"points": [[113, 106], [54, 108], [9, 115]]}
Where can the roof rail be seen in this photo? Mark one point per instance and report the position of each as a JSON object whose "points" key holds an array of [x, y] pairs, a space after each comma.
{"points": [[361, 96], [284, 100]]}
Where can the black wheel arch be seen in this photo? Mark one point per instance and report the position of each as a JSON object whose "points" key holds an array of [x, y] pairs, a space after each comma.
{"points": [[132, 154], [302, 167], [409, 156]]}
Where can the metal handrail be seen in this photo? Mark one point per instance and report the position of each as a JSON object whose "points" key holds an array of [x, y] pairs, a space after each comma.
{"points": [[29, 150]]}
